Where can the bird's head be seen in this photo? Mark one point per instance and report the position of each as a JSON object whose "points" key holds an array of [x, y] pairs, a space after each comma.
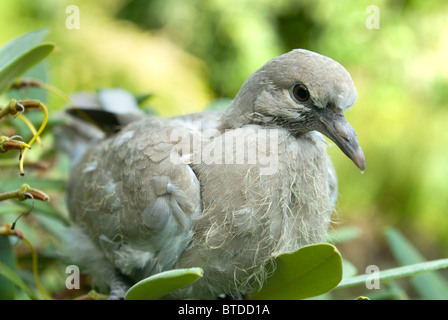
{"points": [[301, 91]]}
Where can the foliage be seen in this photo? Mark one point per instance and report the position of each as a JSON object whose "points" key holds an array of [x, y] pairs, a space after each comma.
{"points": [[161, 284], [20, 55], [428, 285], [17, 57], [317, 270], [308, 272]]}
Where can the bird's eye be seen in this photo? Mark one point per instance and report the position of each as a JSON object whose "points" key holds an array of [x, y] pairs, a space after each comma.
{"points": [[301, 93]]}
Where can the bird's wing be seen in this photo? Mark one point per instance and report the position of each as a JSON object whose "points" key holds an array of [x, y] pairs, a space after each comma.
{"points": [[95, 115], [135, 196]]}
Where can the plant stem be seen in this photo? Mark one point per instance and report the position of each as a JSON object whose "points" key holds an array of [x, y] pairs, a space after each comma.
{"points": [[399, 272], [30, 126], [22, 192], [44, 123], [35, 270]]}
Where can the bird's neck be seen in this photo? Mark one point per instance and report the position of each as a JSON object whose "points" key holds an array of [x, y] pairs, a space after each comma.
{"points": [[241, 111], [238, 114]]}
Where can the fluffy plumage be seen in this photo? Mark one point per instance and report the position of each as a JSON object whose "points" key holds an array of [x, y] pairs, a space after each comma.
{"points": [[145, 204]]}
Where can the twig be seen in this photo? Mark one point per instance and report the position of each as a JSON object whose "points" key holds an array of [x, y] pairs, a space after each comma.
{"points": [[8, 143], [23, 193]]}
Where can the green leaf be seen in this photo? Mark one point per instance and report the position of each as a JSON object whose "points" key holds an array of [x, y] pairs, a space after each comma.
{"points": [[36, 183], [10, 208], [9, 274], [310, 271], [394, 273], [431, 286], [161, 284], [10, 51], [22, 63], [7, 291], [20, 54], [45, 208]]}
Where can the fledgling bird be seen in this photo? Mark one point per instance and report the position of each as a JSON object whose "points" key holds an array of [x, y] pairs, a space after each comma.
{"points": [[159, 194]]}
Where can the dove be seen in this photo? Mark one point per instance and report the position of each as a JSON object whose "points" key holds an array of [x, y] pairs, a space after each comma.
{"points": [[224, 191]]}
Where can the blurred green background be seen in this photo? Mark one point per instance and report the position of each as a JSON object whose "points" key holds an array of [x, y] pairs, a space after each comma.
{"points": [[189, 53]]}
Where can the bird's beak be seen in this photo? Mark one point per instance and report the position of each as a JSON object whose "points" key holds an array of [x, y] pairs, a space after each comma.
{"points": [[333, 124]]}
